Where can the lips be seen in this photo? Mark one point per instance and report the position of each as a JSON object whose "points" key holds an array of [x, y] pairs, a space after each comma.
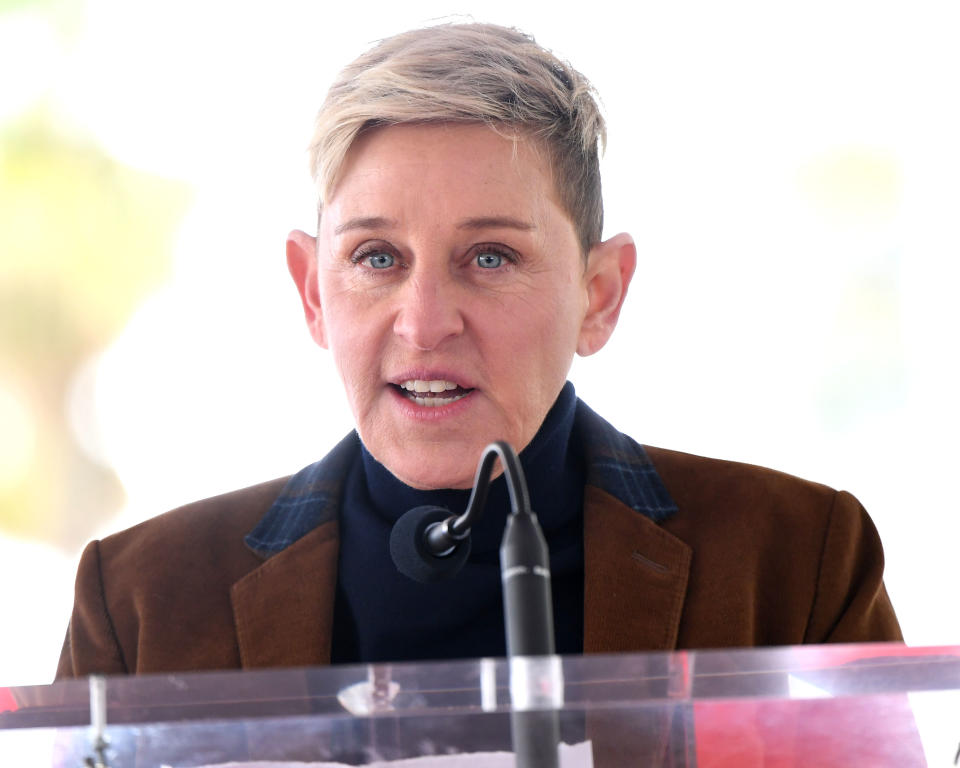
{"points": [[432, 393]]}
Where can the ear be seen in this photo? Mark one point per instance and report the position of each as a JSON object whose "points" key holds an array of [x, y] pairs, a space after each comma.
{"points": [[610, 267], [302, 263]]}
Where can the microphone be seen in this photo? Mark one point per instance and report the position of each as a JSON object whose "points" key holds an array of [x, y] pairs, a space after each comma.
{"points": [[422, 547], [429, 543]]}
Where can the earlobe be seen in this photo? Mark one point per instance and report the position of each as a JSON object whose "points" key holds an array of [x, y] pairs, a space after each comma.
{"points": [[302, 263], [610, 269]]}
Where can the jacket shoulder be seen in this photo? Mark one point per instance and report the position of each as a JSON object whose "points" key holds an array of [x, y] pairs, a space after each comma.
{"points": [[198, 543], [749, 519], [217, 520], [692, 477], [157, 595], [788, 560]]}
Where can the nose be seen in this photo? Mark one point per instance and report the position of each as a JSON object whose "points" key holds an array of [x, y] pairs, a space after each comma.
{"points": [[429, 310]]}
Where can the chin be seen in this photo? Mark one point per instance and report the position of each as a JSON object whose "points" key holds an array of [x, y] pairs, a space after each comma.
{"points": [[440, 475], [437, 480]]}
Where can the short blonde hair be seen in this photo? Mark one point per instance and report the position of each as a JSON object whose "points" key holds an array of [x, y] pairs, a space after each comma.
{"points": [[471, 73]]}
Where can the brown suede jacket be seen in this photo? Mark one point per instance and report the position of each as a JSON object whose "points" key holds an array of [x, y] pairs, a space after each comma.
{"points": [[751, 557]]}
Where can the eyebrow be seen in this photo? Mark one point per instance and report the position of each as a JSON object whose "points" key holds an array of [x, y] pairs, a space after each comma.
{"points": [[365, 222], [496, 222], [473, 223]]}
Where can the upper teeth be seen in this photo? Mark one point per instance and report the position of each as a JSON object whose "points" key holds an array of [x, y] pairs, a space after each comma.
{"points": [[435, 385]]}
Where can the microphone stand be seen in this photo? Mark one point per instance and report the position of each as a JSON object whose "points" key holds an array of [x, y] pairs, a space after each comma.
{"points": [[536, 675]]}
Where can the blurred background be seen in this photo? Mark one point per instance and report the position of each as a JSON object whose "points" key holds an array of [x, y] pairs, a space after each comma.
{"points": [[791, 175]]}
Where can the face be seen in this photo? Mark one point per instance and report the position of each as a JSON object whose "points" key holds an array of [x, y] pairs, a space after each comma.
{"points": [[449, 286]]}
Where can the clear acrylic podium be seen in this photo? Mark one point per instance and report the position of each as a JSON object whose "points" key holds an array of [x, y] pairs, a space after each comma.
{"points": [[840, 705]]}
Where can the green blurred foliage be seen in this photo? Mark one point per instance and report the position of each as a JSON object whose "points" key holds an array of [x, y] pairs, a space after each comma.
{"points": [[15, 5], [63, 13], [83, 240]]}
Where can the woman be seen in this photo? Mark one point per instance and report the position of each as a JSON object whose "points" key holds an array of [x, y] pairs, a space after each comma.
{"points": [[457, 268]]}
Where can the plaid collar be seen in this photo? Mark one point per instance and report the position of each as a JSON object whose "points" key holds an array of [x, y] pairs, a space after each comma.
{"points": [[615, 463]]}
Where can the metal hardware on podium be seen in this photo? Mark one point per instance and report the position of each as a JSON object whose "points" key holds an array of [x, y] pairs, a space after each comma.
{"points": [[373, 696], [98, 723]]}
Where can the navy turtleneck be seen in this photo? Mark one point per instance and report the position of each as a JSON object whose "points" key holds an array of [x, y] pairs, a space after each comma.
{"points": [[381, 615]]}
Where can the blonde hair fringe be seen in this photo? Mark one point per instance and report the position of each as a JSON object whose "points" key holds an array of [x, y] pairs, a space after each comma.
{"points": [[471, 73]]}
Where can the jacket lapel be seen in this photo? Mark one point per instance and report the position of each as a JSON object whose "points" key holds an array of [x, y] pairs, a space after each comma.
{"points": [[635, 578], [284, 609]]}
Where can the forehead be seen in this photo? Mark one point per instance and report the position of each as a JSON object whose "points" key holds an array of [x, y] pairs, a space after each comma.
{"points": [[443, 169]]}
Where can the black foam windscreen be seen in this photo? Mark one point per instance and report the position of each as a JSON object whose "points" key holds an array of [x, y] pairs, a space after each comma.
{"points": [[408, 546]]}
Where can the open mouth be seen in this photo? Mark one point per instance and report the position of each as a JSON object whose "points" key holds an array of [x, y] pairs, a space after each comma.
{"points": [[432, 393]]}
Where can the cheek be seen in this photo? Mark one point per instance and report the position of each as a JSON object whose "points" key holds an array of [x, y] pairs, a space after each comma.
{"points": [[347, 318], [534, 346], [557, 327], [356, 346]]}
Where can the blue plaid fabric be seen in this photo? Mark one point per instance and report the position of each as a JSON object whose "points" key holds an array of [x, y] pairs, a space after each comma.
{"points": [[615, 463]]}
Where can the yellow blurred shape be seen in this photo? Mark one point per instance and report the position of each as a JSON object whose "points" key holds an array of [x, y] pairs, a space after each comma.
{"points": [[89, 231], [19, 442], [853, 184], [83, 241]]}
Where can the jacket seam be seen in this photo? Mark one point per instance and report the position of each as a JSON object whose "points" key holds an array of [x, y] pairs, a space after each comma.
{"points": [[107, 619], [821, 563]]}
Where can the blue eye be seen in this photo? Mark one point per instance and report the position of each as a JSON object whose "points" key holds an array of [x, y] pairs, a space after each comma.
{"points": [[489, 260], [379, 260]]}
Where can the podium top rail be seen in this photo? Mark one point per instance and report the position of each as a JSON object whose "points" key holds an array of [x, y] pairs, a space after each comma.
{"points": [[483, 685]]}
